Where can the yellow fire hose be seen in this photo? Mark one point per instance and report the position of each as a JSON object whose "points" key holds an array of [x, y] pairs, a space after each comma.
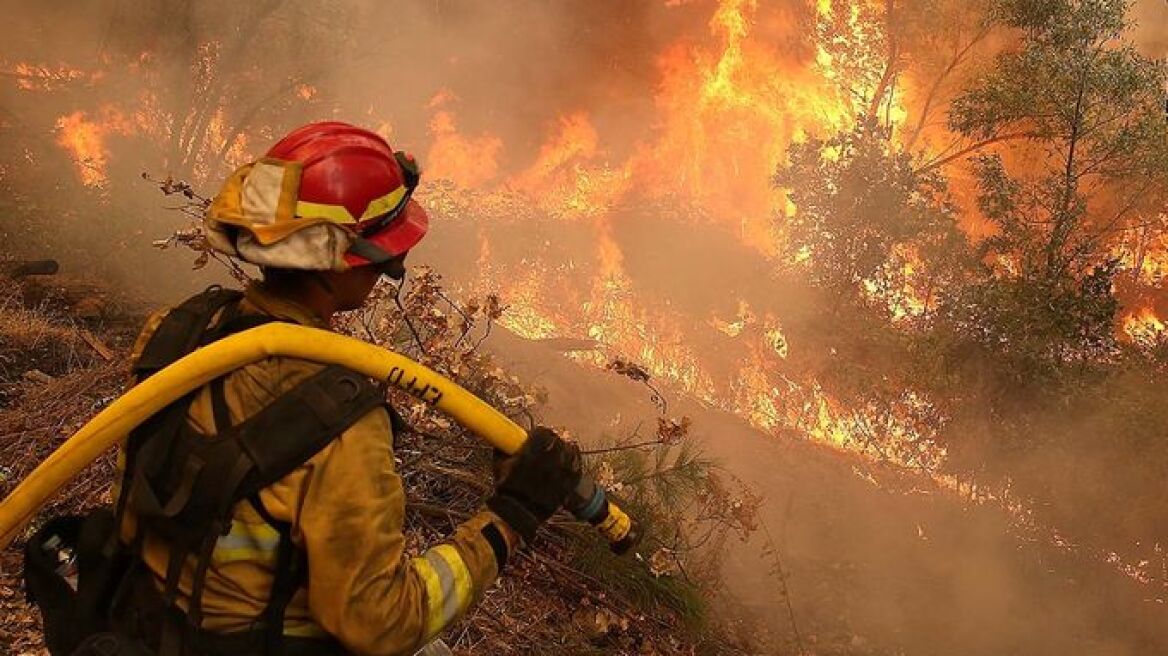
{"points": [[281, 339]]}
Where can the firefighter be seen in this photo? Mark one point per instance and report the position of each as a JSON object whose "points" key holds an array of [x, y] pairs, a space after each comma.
{"points": [[310, 556]]}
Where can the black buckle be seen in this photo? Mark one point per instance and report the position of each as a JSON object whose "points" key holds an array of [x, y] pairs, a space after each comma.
{"points": [[410, 169], [412, 175]]}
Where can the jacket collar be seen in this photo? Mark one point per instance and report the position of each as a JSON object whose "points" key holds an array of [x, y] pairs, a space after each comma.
{"points": [[257, 297]]}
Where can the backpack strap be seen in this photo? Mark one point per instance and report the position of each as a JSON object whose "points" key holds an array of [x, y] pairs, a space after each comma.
{"points": [[273, 443], [290, 574], [179, 333], [182, 330], [186, 485], [315, 412]]}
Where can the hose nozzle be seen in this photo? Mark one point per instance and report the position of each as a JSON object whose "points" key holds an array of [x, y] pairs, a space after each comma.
{"points": [[589, 503]]}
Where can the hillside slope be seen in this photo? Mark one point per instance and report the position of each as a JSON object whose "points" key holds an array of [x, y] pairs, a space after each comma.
{"points": [[878, 561]]}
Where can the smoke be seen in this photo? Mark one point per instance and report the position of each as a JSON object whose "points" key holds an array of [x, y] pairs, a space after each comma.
{"points": [[422, 72], [1152, 27], [510, 68]]}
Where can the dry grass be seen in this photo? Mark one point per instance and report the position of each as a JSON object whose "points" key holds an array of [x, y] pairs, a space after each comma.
{"points": [[37, 339], [36, 415], [41, 417]]}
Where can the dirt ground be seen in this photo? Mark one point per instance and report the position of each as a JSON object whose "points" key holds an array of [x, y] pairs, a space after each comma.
{"points": [[877, 561]]}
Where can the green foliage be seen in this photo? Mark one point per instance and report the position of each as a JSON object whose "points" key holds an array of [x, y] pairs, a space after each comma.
{"points": [[1064, 22], [686, 507], [1028, 388], [1004, 350], [1037, 301], [858, 198], [1092, 109]]}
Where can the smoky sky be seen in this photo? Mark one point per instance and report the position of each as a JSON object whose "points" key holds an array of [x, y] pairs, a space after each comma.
{"points": [[1152, 30]]}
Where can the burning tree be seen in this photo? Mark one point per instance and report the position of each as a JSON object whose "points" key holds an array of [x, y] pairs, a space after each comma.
{"points": [[1090, 109], [1017, 310]]}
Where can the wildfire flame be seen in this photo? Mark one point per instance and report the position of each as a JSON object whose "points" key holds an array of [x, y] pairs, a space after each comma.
{"points": [[85, 139], [726, 116], [728, 104], [470, 161], [1144, 328]]}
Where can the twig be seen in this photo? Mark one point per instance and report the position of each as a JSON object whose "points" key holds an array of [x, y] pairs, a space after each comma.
{"points": [[467, 321], [773, 549], [406, 317], [486, 334], [439, 512], [460, 476], [96, 344], [624, 447]]}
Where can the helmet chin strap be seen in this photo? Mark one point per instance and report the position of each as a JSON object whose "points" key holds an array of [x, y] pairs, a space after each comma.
{"points": [[319, 280], [392, 266], [395, 269], [364, 248]]}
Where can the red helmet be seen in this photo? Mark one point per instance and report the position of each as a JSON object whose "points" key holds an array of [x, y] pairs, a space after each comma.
{"points": [[352, 176]]}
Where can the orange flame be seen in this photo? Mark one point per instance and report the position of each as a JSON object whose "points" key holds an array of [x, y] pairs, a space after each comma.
{"points": [[728, 106], [470, 161], [1144, 328], [727, 118], [305, 91], [85, 139], [565, 181], [727, 114]]}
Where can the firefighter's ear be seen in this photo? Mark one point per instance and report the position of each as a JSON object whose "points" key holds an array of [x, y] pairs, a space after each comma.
{"points": [[395, 268], [352, 287]]}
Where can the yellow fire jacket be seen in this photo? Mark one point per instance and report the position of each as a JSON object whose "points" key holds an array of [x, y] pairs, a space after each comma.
{"points": [[346, 507]]}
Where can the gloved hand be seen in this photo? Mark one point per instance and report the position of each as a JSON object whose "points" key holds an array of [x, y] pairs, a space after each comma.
{"points": [[532, 484]]}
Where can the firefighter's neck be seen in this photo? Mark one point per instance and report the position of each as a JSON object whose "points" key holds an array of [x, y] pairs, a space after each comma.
{"points": [[325, 293], [309, 291], [319, 297]]}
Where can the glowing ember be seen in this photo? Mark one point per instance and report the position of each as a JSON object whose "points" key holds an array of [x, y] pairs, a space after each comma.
{"points": [[1144, 328], [733, 329], [776, 340], [34, 77]]}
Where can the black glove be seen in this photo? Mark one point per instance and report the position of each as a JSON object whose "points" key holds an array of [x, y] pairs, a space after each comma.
{"points": [[532, 484]]}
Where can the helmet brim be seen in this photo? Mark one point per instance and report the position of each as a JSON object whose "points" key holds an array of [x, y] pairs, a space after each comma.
{"points": [[402, 234]]}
